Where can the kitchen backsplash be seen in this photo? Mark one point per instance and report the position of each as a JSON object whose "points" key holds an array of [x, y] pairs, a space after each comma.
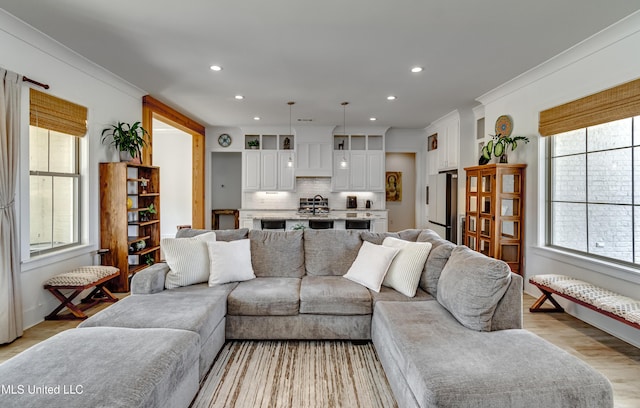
{"points": [[308, 187]]}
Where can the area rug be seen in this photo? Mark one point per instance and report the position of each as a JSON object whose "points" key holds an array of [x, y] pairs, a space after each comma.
{"points": [[248, 374]]}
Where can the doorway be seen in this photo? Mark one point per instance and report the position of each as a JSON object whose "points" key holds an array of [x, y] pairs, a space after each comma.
{"points": [[402, 205], [226, 186], [172, 153]]}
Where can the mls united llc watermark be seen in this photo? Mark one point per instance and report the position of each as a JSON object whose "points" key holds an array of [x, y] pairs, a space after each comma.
{"points": [[41, 389]]}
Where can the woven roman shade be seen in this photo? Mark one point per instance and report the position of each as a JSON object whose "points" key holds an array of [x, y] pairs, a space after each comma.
{"points": [[616, 103], [50, 112]]}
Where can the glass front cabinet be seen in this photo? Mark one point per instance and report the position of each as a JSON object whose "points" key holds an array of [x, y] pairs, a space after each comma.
{"points": [[495, 212]]}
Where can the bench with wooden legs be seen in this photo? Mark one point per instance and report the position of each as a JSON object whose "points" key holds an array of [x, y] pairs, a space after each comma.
{"points": [[611, 304], [79, 280]]}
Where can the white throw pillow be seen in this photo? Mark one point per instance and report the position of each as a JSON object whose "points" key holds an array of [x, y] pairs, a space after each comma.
{"points": [[188, 260], [230, 261], [371, 265], [406, 269]]}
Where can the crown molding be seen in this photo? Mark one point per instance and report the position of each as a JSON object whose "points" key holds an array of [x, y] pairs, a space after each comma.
{"points": [[40, 41], [616, 32]]}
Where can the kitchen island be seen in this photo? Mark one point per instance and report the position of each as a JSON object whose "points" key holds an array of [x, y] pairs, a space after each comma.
{"points": [[341, 218]]}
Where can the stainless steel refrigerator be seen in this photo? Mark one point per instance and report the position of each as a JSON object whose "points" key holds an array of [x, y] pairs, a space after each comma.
{"points": [[442, 199]]}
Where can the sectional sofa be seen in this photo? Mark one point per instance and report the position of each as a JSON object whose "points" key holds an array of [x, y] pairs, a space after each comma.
{"points": [[449, 335]]}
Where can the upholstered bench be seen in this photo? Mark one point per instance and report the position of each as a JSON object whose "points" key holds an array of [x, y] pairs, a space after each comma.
{"points": [[614, 305], [79, 280], [104, 367]]}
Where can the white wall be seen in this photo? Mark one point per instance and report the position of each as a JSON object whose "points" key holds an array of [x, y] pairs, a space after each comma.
{"points": [[603, 61], [108, 99], [402, 214], [173, 153]]}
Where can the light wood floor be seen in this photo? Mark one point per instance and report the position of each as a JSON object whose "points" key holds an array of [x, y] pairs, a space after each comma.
{"points": [[617, 360]]}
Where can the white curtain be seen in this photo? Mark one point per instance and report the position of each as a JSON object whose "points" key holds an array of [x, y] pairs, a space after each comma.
{"points": [[10, 295]]}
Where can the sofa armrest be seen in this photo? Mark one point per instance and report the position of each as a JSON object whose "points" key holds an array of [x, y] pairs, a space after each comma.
{"points": [[508, 314], [149, 280]]}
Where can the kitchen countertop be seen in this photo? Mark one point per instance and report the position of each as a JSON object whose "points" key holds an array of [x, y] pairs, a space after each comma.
{"points": [[339, 214]]}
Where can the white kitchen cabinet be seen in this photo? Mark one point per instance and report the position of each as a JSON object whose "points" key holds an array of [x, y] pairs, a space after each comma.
{"points": [[448, 145], [380, 225], [365, 163], [286, 170], [267, 168], [251, 170], [313, 159]]}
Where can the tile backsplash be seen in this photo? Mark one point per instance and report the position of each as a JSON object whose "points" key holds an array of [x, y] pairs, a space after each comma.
{"points": [[308, 187]]}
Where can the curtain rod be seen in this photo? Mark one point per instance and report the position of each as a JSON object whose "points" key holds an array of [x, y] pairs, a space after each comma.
{"points": [[25, 79]]}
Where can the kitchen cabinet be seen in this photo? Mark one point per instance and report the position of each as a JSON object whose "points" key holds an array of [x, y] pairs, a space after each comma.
{"points": [[271, 166], [127, 229], [444, 155], [365, 163], [495, 212]]}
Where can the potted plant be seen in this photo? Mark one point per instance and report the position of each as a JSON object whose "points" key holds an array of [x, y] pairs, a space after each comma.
{"points": [[499, 145], [128, 139], [146, 213], [253, 144]]}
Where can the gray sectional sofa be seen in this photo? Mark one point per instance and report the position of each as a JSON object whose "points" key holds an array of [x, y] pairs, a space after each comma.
{"points": [[458, 342]]}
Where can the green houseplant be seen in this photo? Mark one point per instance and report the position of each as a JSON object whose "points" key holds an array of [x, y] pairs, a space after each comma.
{"points": [[128, 139], [254, 144], [499, 146], [146, 213]]}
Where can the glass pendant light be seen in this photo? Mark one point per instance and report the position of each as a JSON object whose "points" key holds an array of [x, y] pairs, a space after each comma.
{"points": [[344, 164], [290, 159]]}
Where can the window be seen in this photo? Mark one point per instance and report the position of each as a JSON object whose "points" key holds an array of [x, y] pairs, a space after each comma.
{"points": [[594, 191], [54, 172]]}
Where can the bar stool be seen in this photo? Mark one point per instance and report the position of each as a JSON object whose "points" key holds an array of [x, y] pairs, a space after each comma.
{"points": [[357, 224], [278, 225], [321, 224]]}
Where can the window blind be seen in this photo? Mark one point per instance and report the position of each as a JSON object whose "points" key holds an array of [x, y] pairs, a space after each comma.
{"points": [[622, 101], [50, 112]]}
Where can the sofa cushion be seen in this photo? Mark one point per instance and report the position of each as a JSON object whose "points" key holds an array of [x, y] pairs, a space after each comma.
{"points": [[446, 365], [333, 295], [392, 295], [471, 285], [438, 257], [106, 367], [405, 270], [277, 253], [330, 252], [377, 237], [265, 297], [188, 259], [230, 262], [371, 265], [221, 235], [410, 234]]}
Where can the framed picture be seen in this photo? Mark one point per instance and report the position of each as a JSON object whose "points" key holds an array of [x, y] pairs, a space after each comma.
{"points": [[432, 142], [393, 186]]}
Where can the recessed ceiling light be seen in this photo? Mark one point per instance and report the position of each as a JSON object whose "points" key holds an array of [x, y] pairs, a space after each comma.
{"points": [[216, 68], [391, 98], [256, 118], [373, 119], [239, 97], [415, 70]]}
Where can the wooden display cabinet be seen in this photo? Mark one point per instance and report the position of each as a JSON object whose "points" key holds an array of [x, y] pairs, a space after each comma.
{"points": [[126, 192], [494, 206]]}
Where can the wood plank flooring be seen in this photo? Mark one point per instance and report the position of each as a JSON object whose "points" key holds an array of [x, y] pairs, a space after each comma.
{"points": [[617, 360]]}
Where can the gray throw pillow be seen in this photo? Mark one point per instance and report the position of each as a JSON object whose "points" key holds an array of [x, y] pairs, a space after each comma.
{"points": [[377, 237], [471, 285], [410, 234], [438, 257], [221, 235], [277, 254]]}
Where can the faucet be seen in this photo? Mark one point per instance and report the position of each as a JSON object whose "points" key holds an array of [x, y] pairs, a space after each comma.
{"points": [[313, 208]]}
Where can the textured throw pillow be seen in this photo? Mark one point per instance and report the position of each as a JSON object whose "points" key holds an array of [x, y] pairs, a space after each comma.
{"points": [[277, 254], [221, 235], [405, 270], [187, 259], [438, 257], [471, 285], [371, 265], [230, 261]]}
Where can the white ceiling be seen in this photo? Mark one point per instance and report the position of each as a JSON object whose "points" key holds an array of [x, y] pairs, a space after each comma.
{"points": [[319, 53]]}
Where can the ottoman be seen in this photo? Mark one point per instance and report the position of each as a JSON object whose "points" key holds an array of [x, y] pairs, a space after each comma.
{"points": [[196, 308], [104, 367]]}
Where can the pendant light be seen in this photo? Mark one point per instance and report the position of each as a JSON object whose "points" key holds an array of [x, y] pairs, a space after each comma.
{"points": [[344, 164], [290, 159]]}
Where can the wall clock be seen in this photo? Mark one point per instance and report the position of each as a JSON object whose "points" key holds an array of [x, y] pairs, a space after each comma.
{"points": [[224, 140], [504, 126]]}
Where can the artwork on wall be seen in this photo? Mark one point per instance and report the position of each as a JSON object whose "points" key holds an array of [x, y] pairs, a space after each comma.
{"points": [[394, 186], [432, 142]]}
